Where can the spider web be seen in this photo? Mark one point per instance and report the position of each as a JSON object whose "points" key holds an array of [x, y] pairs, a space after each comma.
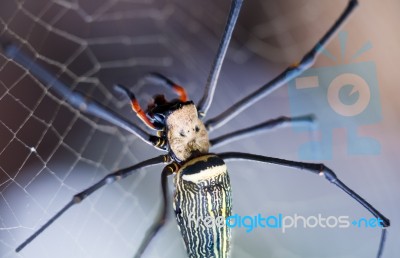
{"points": [[50, 151]]}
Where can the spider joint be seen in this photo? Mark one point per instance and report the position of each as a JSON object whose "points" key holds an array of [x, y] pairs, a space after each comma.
{"points": [[77, 199], [328, 173]]}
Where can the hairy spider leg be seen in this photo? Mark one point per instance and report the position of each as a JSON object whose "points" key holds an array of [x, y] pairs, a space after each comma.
{"points": [[319, 169], [288, 74]]}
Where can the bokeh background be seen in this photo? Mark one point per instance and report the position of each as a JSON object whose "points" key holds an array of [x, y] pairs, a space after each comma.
{"points": [[50, 151]]}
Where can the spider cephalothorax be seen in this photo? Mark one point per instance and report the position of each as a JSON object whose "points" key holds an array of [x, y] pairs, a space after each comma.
{"points": [[186, 134], [180, 128]]}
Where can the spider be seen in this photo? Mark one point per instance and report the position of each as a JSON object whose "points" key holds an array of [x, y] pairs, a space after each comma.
{"points": [[202, 182]]}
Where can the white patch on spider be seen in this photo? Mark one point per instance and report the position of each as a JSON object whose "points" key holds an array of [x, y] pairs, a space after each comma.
{"points": [[186, 132], [206, 174]]}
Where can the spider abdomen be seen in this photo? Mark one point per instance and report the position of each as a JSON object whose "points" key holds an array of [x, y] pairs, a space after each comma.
{"points": [[202, 202]]}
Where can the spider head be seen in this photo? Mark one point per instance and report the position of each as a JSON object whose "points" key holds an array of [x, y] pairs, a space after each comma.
{"points": [[186, 134]]}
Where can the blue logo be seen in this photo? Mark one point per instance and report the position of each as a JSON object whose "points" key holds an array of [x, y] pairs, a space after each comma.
{"points": [[341, 96]]}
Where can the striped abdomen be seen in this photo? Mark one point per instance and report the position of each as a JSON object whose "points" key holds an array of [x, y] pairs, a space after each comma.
{"points": [[202, 203]]}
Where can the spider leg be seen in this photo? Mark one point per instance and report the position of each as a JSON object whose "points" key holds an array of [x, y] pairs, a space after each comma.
{"points": [[75, 99], [108, 179], [160, 222], [322, 170], [165, 81], [287, 75], [213, 76], [267, 126], [135, 105]]}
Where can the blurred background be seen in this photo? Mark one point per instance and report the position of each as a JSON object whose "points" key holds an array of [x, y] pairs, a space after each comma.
{"points": [[50, 151]]}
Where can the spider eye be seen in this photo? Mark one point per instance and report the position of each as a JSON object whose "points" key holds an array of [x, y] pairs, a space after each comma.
{"points": [[181, 133], [197, 129]]}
